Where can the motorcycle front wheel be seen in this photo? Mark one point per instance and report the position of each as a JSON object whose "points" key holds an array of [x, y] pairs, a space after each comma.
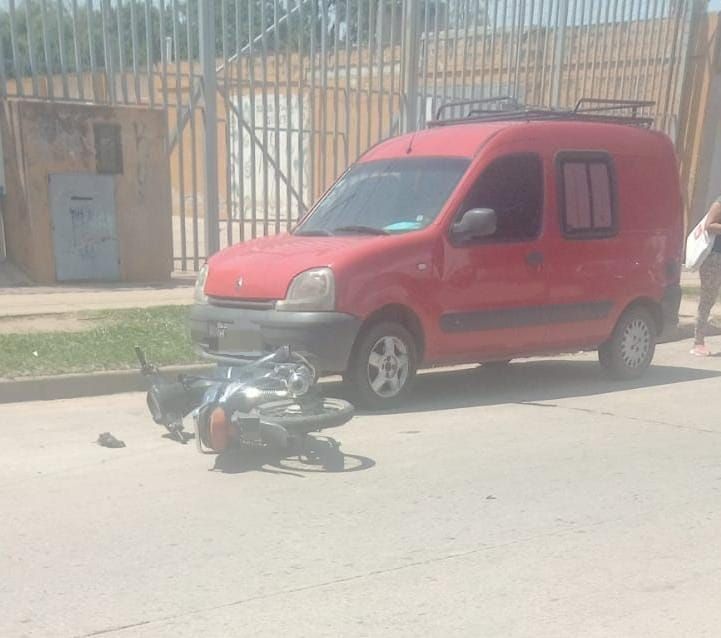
{"points": [[303, 416]]}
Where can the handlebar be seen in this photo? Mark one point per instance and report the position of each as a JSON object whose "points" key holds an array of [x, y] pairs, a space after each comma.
{"points": [[146, 369]]}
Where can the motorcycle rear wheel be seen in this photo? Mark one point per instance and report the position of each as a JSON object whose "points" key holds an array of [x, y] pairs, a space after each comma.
{"points": [[303, 417]]}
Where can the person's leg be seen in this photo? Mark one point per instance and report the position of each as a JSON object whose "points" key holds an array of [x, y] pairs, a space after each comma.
{"points": [[710, 274]]}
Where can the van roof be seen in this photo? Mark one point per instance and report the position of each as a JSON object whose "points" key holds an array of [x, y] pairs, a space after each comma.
{"points": [[467, 139]]}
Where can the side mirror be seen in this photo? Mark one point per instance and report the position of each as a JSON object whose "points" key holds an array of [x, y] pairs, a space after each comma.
{"points": [[475, 224]]}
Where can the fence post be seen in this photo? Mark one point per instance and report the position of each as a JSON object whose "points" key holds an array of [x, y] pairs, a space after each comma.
{"points": [[705, 168], [210, 125], [410, 52], [559, 52]]}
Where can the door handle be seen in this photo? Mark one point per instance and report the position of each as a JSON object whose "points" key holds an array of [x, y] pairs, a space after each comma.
{"points": [[534, 259]]}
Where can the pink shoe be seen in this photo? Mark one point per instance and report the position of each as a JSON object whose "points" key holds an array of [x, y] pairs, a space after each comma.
{"points": [[700, 350]]}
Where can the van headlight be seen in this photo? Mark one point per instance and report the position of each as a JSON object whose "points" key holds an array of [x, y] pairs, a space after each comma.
{"points": [[199, 295], [312, 290]]}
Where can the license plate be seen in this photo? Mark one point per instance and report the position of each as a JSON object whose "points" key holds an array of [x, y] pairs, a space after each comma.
{"points": [[217, 329], [229, 337], [249, 428]]}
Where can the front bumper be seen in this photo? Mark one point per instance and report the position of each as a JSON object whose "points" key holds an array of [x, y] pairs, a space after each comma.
{"points": [[249, 333]]}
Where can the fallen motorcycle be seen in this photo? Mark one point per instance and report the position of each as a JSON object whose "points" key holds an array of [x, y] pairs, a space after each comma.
{"points": [[272, 400]]}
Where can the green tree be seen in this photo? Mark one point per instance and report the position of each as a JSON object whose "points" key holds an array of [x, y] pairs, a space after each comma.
{"points": [[82, 33]]}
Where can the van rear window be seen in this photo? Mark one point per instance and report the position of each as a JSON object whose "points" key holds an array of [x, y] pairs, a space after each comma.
{"points": [[587, 195], [578, 198]]}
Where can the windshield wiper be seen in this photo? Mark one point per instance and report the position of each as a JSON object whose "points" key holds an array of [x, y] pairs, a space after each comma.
{"points": [[313, 233], [361, 230]]}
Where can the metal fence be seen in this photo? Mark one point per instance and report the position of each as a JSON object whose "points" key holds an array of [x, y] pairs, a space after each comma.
{"points": [[268, 101]]}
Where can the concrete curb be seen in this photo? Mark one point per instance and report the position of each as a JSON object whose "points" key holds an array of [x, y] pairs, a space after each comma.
{"points": [[73, 386]]}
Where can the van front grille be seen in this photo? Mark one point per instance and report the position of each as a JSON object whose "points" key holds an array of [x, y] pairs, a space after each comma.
{"points": [[242, 304]]}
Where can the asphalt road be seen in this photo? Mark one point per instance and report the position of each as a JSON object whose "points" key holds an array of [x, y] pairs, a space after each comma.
{"points": [[543, 501]]}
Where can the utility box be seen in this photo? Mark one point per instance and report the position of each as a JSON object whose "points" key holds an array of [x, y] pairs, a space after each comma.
{"points": [[87, 191], [85, 235]]}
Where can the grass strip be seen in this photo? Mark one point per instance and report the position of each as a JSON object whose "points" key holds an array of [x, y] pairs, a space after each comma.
{"points": [[108, 345]]}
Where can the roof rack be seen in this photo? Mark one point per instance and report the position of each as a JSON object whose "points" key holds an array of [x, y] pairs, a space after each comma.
{"points": [[586, 110], [502, 103], [595, 105]]}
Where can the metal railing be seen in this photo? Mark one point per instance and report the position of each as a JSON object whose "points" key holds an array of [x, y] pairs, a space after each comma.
{"points": [[268, 101]]}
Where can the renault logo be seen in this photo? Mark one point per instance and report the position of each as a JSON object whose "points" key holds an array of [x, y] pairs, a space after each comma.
{"points": [[239, 283]]}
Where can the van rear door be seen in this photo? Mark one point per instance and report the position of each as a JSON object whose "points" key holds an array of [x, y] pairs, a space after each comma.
{"points": [[589, 267]]}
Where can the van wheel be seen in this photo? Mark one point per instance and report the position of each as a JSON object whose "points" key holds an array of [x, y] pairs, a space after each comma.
{"points": [[629, 351], [383, 366]]}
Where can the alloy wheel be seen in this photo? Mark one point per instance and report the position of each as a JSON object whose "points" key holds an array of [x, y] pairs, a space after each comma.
{"points": [[388, 366]]}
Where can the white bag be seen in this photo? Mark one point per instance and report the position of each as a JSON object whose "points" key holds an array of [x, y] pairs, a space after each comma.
{"points": [[698, 246]]}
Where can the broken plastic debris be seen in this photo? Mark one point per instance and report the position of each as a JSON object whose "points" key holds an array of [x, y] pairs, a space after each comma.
{"points": [[108, 440]]}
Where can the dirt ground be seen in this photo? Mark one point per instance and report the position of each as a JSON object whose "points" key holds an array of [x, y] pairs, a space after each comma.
{"points": [[45, 323]]}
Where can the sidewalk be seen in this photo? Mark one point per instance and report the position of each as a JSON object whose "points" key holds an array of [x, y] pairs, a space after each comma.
{"points": [[687, 311], [689, 279], [52, 300]]}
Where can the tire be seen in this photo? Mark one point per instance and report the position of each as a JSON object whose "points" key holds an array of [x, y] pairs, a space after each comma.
{"points": [[204, 425], [383, 366], [629, 351], [303, 417]]}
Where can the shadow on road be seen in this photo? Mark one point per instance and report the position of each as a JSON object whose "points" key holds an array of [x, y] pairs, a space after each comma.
{"points": [[527, 382], [187, 437], [320, 454]]}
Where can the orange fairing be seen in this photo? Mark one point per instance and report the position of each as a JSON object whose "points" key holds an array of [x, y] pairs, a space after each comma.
{"points": [[219, 430]]}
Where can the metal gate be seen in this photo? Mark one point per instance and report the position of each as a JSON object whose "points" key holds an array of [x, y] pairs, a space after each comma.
{"points": [[290, 92]]}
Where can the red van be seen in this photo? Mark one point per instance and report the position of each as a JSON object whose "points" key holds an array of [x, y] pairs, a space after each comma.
{"points": [[499, 236]]}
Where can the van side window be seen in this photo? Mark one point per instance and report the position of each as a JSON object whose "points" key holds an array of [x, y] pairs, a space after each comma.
{"points": [[513, 187], [587, 195]]}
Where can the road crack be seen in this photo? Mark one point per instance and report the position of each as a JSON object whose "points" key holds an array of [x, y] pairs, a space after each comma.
{"points": [[635, 419], [341, 581]]}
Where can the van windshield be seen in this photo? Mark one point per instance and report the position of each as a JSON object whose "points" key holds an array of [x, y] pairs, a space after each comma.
{"points": [[386, 196]]}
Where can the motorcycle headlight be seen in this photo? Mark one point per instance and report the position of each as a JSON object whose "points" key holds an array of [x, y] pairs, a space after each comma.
{"points": [[300, 382], [313, 290], [199, 295]]}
